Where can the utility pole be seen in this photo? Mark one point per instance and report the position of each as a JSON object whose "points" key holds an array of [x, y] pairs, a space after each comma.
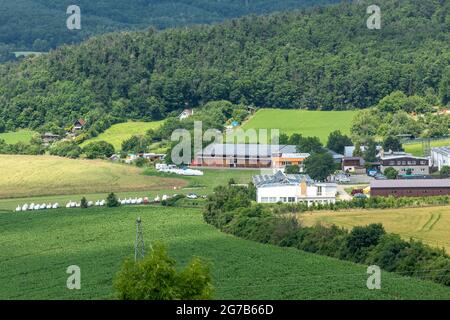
{"points": [[426, 147], [139, 246]]}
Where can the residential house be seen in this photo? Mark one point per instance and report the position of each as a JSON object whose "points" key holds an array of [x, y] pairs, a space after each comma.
{"points": [[440, 157], [186, 114], [410, 188], [78, 125], [293, 188], [353, 165], [240, 155], [337, 157], [153, 156], [48, 138], [405, 163], [281, 160]]}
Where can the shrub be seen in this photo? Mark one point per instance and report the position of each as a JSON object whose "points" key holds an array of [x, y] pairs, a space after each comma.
{"points": [[389, 251], [112, 201], [156, 278], [391, 173], [83, 203], [361, 240], [65, 149], [98, 149]]}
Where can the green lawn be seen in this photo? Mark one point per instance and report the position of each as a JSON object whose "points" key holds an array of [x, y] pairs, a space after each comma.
{"points": [[120, 132], [417, 150], [17, 136], [307, 123], [37, 248]]}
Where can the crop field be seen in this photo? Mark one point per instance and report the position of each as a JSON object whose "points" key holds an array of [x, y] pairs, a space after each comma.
{"points": [[431, 224], [417, 150], [37, 248], [28, 176], [17, 136], [120, 132], [307, 123]]}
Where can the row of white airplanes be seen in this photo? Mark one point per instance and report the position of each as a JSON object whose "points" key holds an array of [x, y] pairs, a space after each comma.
{"points": [[99, 203]]}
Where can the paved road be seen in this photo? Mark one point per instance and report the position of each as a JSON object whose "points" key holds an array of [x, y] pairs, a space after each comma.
{"points": [[343, 195]]}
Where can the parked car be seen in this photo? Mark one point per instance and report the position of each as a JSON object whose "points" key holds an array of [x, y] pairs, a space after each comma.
{"points": [[372, 173], [360, 196], [379, 176], [192, 196], [357, 191]]}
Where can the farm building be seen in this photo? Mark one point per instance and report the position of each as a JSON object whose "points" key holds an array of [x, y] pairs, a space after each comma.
{"points": [[405, 163], [293, 188], [440, 157], [241, 155], [410, 188], [353, 164]]}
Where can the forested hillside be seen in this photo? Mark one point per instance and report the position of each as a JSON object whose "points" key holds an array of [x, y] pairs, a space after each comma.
{"points": [[39, 25], [324, 58]]}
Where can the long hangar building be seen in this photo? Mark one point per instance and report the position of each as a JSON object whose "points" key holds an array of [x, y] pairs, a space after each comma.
{"points": [[410, 188]]}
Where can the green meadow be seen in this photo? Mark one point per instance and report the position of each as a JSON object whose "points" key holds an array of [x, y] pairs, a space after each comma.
{"points": [[305, 122], [17, 136], [417, 149], [120, 132], [37, 247]]}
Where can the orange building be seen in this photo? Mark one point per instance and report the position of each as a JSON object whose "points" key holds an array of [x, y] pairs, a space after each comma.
{"points": [[281, 160]]}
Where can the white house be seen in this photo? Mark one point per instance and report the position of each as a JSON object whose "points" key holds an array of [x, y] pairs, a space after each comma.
{"points": [[186, 114], [440, 157], [293, 188]]}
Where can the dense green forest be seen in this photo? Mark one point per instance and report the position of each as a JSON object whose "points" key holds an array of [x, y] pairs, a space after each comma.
{"points": [[322, 58], [40, 25]]}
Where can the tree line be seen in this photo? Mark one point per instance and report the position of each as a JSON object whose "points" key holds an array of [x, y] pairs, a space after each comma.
{"points": [[321, 58], [40, 25]]}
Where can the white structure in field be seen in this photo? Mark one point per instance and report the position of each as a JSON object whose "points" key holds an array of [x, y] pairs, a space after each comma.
{"points": [[440, 157], [293, 188]]}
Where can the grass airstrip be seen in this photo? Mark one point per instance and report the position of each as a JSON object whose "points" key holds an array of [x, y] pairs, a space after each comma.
{"points": [[308, 123]]}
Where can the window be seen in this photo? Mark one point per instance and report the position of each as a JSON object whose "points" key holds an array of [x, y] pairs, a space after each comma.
{"points": [[264, 199], [272, 199], [319, 190], [291, 199], [283, 199]]}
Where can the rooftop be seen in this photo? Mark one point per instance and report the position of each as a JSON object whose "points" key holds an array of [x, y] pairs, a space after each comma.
{"points": [[442, 150], [279, 179], [426, 183], [253, 150]]}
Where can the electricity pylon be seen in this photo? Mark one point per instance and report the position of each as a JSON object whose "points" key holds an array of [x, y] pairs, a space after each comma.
{"points": [[139, 246]]}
